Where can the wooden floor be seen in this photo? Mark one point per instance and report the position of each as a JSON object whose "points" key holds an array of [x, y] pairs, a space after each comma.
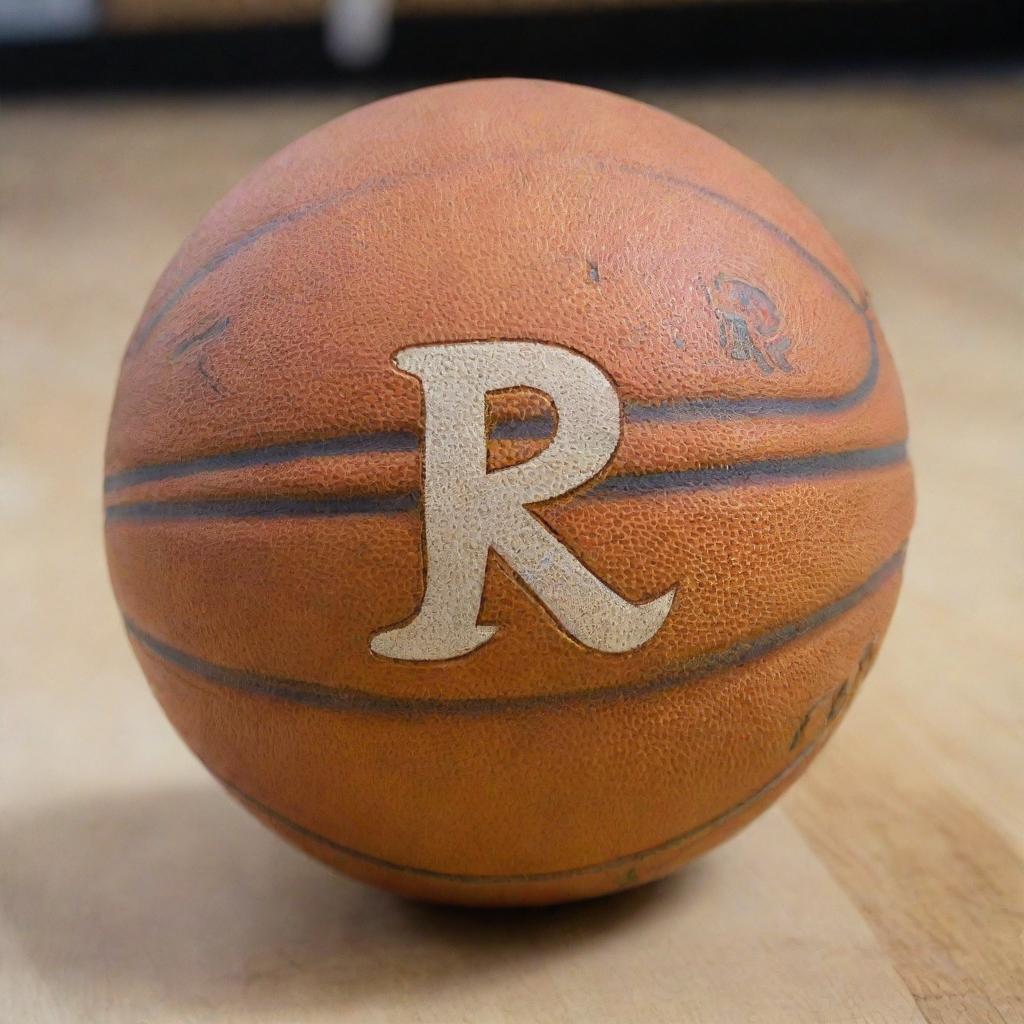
{"points": [[886, 887]]}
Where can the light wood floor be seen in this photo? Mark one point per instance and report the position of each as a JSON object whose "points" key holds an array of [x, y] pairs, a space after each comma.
{"points": [[886, 887]]}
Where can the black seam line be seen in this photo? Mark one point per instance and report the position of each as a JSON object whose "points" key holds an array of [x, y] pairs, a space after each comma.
{"points": [[762, 471], [541, 876], [675, 181], [534, 428], [317, 206], [385, 442], [675, 410], [679, 410], [217, 328], [349, 699], [756, 472], [240, 244]]}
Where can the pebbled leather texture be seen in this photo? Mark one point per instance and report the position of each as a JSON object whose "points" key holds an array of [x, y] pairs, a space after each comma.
{"points": [[264, 490]]}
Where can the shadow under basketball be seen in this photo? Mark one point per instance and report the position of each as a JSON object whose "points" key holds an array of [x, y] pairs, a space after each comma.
{"points": [[175, 891]]}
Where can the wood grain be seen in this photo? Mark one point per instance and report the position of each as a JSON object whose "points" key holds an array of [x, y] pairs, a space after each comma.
{"points": [[887, 887]]}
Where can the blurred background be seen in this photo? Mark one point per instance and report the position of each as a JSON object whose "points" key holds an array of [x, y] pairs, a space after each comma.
{"points": [[89, 44], [887, 886]]}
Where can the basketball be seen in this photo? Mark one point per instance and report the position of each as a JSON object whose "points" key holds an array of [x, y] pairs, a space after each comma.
{"points": [[507, 492]]}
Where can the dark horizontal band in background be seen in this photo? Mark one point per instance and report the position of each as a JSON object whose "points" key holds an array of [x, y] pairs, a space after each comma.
{"points": [[688, 41]]}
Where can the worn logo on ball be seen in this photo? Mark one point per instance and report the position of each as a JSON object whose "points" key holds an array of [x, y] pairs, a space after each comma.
{"points": [[469, 511]]}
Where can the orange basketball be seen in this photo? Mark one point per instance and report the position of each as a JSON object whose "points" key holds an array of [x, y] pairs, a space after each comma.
{"points": [[507, 491]]}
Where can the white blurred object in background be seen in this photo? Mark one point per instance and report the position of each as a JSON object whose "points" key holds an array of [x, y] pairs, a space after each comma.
{"points": [[23, 20], [357, 32]]}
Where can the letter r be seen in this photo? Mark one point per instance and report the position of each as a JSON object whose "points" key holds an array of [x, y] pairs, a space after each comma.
{"points": [[467, 511]]}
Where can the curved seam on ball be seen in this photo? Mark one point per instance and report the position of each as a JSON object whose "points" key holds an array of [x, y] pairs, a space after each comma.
{"points": [[758, 471], [542, 876], [383, 183], [673, 410], [351, 699]]}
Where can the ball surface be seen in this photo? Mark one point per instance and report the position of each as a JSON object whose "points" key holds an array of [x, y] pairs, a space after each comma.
{"points": [[507, 491]]}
